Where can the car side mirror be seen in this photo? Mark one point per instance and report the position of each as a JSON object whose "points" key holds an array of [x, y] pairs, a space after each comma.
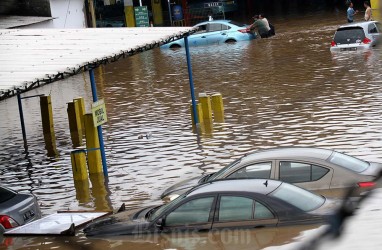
{"points": [[160, 223]]}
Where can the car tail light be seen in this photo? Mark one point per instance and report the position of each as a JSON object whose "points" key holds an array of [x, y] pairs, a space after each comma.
{"points": [[333, 43], [366, 184], [366, 40], [8, 222], [244, 30]]}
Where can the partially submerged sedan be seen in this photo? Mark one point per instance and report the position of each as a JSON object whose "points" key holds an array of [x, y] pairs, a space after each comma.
{"points": [[356, 36], [215, 32], [309, 168], [17, 209], [224, 204]]}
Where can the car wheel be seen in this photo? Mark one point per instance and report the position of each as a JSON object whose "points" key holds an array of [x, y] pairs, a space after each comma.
{"points": [[230, 41], [175, 46]]}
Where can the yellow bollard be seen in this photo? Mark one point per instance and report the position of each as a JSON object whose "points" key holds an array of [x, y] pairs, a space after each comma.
{"points": [[47, 125], [92, 146], [78, 158], [375, 4], [75, 125], [217, 107], [129, 13], [81, 109], [205, 103], [199, 113]]}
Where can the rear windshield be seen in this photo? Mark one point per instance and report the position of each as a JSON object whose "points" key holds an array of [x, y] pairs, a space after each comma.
{"points": [[6, 194], [237, 24], [349, 35], [298, 197], [348, 162]]}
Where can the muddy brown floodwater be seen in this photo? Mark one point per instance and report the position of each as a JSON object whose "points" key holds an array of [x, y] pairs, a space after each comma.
{"points": [[282, 91]]}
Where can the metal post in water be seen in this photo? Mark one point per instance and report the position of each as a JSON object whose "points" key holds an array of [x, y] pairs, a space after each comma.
{"points": [[22, 122], [191, 80], [99, 128]]}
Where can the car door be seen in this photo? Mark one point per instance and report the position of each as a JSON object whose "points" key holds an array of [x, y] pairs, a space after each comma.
{"points": [[191, 214], [234, 211], [253, 170], [199, 37], [304, 174], [373, 32], [216, 33]]}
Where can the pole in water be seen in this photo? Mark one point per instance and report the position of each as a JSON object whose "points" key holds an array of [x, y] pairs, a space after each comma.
{"points": [[99, 128], [196, 120], [22, 122]]}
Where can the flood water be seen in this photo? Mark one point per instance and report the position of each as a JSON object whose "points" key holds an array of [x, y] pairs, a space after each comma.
{"points": [[283, 91]]}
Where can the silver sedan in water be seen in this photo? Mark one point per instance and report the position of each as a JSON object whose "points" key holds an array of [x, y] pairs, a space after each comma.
{"points": [[309, 168], [17, 209]]}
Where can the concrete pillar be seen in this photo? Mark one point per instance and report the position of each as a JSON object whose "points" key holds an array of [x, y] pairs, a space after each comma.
{"points": [[217, 107], [156, 8], [129, 13], [47, 125], [78, 158], [92, 146], [75, 124]]}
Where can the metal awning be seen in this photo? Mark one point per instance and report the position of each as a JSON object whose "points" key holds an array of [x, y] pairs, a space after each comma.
{"points": [[10, 22], [32, 57]]}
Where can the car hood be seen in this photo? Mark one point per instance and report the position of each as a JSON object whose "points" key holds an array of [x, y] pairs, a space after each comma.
{"points": [[122, 223], [183, 186]]}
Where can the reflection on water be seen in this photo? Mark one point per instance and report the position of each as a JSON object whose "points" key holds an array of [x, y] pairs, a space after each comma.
{"points": [[282, 91], [224, 239]]}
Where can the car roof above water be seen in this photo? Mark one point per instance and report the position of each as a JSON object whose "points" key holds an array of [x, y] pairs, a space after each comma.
{"points": [[288, 152], [262, 186], [357, 24]]}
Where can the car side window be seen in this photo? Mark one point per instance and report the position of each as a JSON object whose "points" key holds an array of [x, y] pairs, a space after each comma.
{"points": [[225, 27], [257, 170], [193, 211], [214, 27], [295, 172], [201, 29], [372, 28], [236, 208]]}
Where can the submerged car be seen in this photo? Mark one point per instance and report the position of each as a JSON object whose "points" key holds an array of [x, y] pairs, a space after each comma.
{"points": [[309, 168], [17, 209], [223, 204], [356, 36], [215, 32]]}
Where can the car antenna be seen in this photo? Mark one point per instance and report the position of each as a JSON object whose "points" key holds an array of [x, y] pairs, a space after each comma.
{"points": [[266, 183]]}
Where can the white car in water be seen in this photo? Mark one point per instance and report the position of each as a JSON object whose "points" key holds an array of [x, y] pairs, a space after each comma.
{"points": [[356, 36]]}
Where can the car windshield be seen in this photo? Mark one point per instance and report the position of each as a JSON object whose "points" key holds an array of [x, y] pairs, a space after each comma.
{"points": [[298, 197], [348, 162], [349, 35], [221, 172], [6, 194], [165, 207]]}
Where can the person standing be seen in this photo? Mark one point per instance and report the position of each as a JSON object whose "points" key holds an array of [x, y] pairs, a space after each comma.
{"points": [[351, 12], [368, 13]]}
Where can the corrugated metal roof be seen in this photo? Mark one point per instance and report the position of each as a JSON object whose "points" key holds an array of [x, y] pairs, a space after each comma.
{"points": [[32, 57], [9, 22]]}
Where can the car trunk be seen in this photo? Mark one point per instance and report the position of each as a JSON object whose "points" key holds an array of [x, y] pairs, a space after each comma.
{"points": [[349, 35]]}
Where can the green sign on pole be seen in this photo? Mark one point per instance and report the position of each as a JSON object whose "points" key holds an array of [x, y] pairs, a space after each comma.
{"points": [[141, 16]]}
